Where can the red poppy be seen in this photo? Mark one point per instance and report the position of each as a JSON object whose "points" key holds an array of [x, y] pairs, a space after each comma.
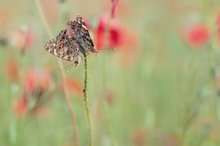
{"points": [[196, 36], [73, 86], [100, 33], [118, 36], [29, 38], [37, 81], [22, 38], [11, 69], [113, 8], [17, 38], [110, 35], [114, 38], [21, 106], [118, 7]]}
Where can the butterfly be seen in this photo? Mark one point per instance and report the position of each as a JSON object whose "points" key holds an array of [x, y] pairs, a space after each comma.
{"points": [[72, 43]]}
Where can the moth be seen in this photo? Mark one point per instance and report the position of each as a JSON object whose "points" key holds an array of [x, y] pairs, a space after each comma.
{"points": [[72, 43]]}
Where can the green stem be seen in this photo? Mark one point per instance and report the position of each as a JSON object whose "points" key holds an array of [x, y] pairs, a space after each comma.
{"points": [[86, 100]]}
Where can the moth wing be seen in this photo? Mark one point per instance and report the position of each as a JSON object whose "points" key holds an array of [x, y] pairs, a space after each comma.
{"points": [[62, 47]]}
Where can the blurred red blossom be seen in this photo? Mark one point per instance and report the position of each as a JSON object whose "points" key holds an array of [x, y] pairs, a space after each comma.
{"points": [[20, 106], [196, 36], [11, 69], [29, 38], [118, 7], [21, 38], [72, 85], [113, 7], [111, 34], [138, 137], [115, 36], [37, 81]]}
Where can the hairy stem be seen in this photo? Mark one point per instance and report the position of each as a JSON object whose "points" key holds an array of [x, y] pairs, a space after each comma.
{"points": [[86, 100], [63, 76]]}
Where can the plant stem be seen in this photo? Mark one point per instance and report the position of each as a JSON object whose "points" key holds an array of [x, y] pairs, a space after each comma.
{"points": [[63, 76], [86, 100]]}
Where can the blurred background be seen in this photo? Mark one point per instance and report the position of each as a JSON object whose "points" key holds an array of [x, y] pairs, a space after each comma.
{"points": [[159, 87]]}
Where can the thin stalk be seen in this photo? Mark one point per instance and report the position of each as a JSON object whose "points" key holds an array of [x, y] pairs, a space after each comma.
{"points": [[63, 76], [86, 102]]}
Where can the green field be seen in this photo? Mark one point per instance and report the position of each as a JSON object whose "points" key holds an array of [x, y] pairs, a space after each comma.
{"points": [[160, 86]]}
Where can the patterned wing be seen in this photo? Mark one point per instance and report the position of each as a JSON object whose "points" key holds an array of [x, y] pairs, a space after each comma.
{"points": [[81, 34], [63, 47]]}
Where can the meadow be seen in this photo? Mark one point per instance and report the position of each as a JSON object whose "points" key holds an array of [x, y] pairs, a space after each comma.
{"points": [[154, 80]]}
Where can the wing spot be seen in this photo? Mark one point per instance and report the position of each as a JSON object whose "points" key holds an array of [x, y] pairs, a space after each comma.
{"points": [[84, 27], [71, 58], [66, 57]]}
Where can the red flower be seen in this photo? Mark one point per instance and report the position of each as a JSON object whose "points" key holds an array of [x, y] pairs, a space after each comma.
{"points": [[21, 106], [73, 86], [11, 69], [110, 35], [17, 38], [29, 38], [22, 38], [113, 8], [196, 36], [114, 38], [100, 33], [37, 81], [118, 35]]}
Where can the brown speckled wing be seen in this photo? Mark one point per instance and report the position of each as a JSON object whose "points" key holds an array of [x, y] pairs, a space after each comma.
{"points": [[63, 47], [81, 34]]}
